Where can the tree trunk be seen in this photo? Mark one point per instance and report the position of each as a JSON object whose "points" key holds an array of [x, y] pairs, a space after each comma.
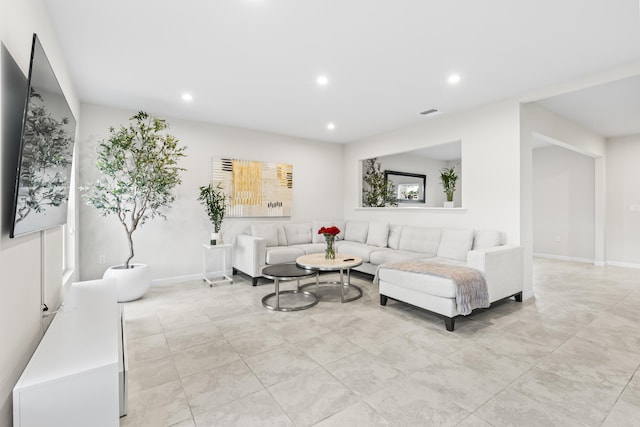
{"points": [[129, 237]]}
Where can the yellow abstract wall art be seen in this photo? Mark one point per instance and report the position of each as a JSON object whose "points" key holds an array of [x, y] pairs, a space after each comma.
{"points": [[254, 188]]}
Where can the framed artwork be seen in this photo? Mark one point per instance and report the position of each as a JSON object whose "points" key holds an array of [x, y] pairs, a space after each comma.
{"points": [[254, 188]]}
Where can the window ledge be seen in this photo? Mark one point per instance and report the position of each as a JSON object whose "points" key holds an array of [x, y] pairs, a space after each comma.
{"points": [[413, 208]]}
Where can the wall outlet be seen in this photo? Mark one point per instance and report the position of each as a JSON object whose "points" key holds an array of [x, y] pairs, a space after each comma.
{"points": [[557, 239], [102, 259]]}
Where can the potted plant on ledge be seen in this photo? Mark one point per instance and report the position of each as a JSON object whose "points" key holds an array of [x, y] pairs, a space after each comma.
{"points": [[139, 171], [214, 201], [448, 180]]}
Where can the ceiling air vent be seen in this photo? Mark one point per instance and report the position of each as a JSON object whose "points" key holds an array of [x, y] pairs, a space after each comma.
{"points": [[430, 112]]}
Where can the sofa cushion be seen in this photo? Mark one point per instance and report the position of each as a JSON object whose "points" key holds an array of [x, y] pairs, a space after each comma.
{"points": [[378, 234], [487, 239], [298, 233], [356, 231], [282, 237], [389, 255], [312, 248], [395, 231], [280, 254], [455, 243], [418, 282], [362, 250], [420, 239], [317, 225], [269, 232]]}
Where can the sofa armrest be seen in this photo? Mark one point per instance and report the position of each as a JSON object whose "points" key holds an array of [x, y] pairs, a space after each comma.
{"points": [[502, 267], [249, 254]]}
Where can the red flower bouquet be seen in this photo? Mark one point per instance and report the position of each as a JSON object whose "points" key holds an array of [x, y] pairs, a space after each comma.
{"points": [[333, 230], [329, 234]]}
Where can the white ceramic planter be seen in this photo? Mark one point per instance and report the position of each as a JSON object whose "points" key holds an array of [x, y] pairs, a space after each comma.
{"points": [[215, 238], [131, 283], [448, 204]]}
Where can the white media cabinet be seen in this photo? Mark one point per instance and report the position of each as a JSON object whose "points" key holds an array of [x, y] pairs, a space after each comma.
{"points": [[77, 375]]}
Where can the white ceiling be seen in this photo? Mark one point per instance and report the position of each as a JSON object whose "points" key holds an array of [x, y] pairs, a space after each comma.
{"points": [[611, 109], [253, 63]]}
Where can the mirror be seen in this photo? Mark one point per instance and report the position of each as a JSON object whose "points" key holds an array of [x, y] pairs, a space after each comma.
{"points": [[409, 186]]}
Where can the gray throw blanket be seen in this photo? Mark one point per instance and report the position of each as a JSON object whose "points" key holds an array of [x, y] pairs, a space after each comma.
{"points": [[471, 288]]}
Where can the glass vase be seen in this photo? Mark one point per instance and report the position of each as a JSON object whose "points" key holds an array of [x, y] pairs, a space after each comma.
{"points": [[329, 252]]}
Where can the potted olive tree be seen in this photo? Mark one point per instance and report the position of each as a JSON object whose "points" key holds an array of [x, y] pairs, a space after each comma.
{"points": [[448, 180], [214, 201], [376, 190], [139, 170]]}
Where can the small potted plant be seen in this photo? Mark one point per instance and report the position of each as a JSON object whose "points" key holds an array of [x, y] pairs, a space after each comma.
{"points": [[138, 166], [214, 201], [448, 180]]}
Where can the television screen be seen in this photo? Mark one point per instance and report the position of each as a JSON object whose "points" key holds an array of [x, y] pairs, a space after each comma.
{"points": [[46, 151]]}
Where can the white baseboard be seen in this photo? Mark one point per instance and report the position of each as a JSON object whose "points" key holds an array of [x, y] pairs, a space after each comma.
{"points": [[177, 279], [186, 278], [528, 294], [589, 261], [564, 258], [623, 264]]}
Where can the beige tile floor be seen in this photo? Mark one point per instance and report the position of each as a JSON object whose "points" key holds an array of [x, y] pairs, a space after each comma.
{"points": [[202, 356]]}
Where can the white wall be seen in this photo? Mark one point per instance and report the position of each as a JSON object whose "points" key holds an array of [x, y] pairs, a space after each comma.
{"points": [[623, 192], [537, 120], [172, 248], [544, 122], [563, 204], [490, 179], [568, 134], [21, 264]]}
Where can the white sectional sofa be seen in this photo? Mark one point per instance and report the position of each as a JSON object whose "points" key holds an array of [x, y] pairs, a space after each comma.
{"points": [[378, 243], [502, 268], [265, 244]]}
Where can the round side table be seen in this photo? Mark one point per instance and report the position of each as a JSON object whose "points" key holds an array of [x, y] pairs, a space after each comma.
{"points": [[289, 300]]}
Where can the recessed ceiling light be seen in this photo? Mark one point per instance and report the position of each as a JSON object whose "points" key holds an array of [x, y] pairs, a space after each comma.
{"points": [[322, 80], [187, 97], [454, 79], [331, 126]]}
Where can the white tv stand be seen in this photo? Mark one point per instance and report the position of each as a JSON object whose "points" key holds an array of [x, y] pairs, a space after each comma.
{"points": [[73, 377]]}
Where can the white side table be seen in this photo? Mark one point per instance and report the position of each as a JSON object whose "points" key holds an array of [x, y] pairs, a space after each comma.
{"points": [[206, 249]]}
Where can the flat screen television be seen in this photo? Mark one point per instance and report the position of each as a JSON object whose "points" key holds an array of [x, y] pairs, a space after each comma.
{"points": [[46, 151]]}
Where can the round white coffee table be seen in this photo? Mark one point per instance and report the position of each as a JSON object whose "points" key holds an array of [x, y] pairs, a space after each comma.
{"points": [[342, 263]]}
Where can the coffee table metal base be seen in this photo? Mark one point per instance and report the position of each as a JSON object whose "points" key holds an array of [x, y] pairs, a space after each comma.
{"points": [[289, 300], [327, 290], [333, 291]]}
